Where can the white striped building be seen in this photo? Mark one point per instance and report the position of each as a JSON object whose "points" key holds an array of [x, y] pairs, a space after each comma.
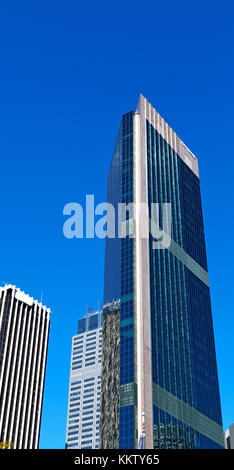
{"points": [[24, 333], [85, 384]]}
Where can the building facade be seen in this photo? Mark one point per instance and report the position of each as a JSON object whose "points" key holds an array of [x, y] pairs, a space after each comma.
{"points": [[229, 437], [168, 372], [110, 399], [85, 383], [24, 334]]}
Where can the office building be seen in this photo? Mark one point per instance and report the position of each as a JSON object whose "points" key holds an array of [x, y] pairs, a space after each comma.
{"points": [[229, 437], [168, 372], [109, 407], [85, 383], [24, 333]]}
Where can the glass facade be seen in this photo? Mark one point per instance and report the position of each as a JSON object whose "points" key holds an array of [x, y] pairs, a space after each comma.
{"points": [[89, 322], [127, 369], [119, 268], [112, 283], [183, 351], [183, 359]]}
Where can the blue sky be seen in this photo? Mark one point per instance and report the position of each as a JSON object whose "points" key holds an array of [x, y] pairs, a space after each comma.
{"points": [[67, 74]]}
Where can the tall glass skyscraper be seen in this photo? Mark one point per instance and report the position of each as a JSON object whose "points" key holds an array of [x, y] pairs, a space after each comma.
{"points": [[168, 372]]}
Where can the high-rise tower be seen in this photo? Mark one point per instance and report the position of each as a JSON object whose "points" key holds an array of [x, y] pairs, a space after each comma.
{"points": [[24, 333], [168, 372], [85, 383]]}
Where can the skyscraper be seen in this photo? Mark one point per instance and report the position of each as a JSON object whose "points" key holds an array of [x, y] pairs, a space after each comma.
{"points": [[168, 372], [24, 333], [85, 383]]}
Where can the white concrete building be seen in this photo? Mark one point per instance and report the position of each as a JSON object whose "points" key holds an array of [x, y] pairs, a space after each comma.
{"points": [[85, 384], [229, 437]]}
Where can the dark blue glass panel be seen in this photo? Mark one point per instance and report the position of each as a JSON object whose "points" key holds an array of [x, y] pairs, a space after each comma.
{"points": [[81, 326], [92, 322]]}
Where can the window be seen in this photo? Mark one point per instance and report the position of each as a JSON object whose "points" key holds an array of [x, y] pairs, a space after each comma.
{"points": [[76, 343], [88, 396], [78, 338], [73, 421], [88, 390], [93, 322], [78, 348], [91, 349], [81, 325], [77, 356], [75, 383], [75, 363]]}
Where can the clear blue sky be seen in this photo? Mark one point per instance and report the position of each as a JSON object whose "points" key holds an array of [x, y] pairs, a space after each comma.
{"points": [[67, 74]]}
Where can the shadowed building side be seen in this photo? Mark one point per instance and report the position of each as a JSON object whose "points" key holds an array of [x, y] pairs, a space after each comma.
{"points": [[110, 391]]}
